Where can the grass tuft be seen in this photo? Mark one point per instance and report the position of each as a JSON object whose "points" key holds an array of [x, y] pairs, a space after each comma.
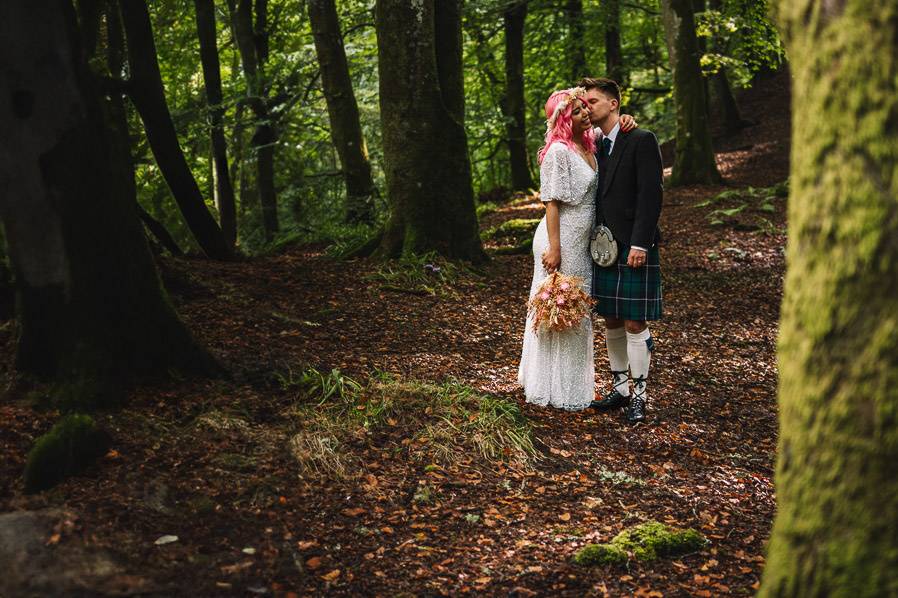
{"points": [[434, 423]]}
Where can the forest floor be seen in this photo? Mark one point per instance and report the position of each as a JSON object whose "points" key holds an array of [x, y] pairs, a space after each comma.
{"points": [[213, 463]]}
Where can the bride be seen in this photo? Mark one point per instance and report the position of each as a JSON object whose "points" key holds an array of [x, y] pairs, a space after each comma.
{"points": [[557, 368]]}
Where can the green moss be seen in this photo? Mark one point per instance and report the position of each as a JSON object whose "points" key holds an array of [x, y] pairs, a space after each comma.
{"points": [[516, 228], [67, 449], [601, 554], [652, 539], [646, 542]]}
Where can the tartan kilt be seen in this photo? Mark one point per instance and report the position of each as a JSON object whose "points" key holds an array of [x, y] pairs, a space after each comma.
{"points": [[627, 293]]}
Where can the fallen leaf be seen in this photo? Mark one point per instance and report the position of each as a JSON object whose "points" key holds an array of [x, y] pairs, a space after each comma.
{"points": [[332, 576]]}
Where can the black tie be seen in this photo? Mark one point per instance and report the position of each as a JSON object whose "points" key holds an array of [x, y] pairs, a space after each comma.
{"points": [[606, 146]]}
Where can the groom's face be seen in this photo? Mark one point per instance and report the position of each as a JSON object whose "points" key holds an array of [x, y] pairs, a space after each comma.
{"points": [[600, 106]]}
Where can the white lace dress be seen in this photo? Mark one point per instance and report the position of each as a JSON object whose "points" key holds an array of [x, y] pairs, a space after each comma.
{"points": [[557, 368]]}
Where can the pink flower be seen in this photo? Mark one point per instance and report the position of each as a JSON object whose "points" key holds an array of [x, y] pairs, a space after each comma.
{"points": [[559, 301], [565, 286], [544, 295]]}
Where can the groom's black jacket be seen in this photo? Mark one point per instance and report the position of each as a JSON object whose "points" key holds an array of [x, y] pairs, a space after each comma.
{"points": [[631, 187]]}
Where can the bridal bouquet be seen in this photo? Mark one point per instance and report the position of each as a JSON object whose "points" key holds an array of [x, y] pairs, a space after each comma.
{"points": [[559, 303]]}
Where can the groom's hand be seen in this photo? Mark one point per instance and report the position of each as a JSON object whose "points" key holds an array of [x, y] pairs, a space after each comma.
{"points": [[627, 123], [636, 259]]}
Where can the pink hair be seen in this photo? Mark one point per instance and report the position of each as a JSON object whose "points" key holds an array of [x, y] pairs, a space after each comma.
{"points": [[563, 130]]}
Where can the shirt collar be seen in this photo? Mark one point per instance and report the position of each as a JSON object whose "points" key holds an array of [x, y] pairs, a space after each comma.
{"points": [[613, 134]]}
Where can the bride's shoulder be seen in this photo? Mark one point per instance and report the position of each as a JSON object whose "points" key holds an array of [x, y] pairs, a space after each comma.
{"points": [[557, 150]]}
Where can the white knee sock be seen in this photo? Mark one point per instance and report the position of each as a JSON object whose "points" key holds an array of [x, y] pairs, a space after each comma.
{"points": [[616, 341], [639, 350]]}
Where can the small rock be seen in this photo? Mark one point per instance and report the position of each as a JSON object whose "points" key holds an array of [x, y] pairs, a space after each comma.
{"points": [[167, 539]]}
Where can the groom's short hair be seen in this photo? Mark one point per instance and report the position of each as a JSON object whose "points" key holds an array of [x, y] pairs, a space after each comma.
{"points": [[607, 86]]}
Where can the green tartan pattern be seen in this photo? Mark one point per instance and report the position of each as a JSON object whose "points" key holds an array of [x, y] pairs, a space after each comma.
{"points": [[627, 293]]}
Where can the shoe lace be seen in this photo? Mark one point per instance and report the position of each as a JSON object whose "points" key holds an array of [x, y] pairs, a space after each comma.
{"points": [[639, 388], [624, 379]]}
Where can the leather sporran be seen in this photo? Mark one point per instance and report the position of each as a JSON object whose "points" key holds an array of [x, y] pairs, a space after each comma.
{"points": [[602, 246]]}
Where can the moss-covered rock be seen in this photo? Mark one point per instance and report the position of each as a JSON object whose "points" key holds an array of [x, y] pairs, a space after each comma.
{"points": [[646, 542], [67, 449], [516, 228], [652, 539], [601, 554]]}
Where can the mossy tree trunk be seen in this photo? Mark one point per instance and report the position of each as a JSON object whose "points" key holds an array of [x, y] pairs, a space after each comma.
{"points": [[224, 190], [614, 56], [694, 160], [514, 17], [422, 114], [146, 90], [836, 528], [252, 45], [90, 304], [343, 111], [723, 91]]}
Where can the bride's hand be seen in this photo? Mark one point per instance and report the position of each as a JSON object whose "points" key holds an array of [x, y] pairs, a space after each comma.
{"points": [[551, 259], [627, 123]]}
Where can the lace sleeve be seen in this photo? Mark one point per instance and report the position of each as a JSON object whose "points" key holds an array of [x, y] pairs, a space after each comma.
{"points": [[555, 175]]}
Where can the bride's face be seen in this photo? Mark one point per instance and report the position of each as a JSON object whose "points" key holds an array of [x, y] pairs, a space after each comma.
{"points": [[580, 117]]}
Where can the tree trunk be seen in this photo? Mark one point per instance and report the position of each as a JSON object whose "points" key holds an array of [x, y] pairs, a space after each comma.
{"points": [[148, 95], [425, 147], [836, 528], [346, 130], [252, 45], [224, 190], [573, 11], [90, 303], [723, 92], [694, 160], [515, 16], [614, 57]]}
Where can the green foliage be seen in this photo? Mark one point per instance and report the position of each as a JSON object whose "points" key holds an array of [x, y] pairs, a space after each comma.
{"points": [[740, 38], [68, 448], [646, 542], [426, 274], [310, 188], [756, 200]]}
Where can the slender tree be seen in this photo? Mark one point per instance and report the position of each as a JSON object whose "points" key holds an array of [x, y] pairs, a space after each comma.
{"points": [[90, 302], [836, 527], [514, 17], [614, 56], [252, 44], [723, 91], [224, 190], [573, 11], [694, 161], [146, 91], [343, 111], [422, 113]]}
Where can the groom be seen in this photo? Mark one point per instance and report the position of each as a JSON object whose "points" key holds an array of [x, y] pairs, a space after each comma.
{"points": [[628, 201]]}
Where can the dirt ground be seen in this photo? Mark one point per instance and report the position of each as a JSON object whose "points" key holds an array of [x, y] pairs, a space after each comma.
{"points": [[249, 524]]}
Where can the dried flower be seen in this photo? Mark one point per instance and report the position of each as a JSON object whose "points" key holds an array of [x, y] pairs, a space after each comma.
{"points": [[559, 303]]}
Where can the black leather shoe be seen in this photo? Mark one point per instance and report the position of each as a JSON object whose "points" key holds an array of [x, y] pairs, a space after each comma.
{"points": [[636, 411], [612, 400]]}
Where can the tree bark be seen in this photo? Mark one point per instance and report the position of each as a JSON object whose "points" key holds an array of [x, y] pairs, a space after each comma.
{"points": [[252, 45], [694, 161], [147, 93], [90, 303], [614, 57], [514, 16], [723, 92], [343, 111], [573, 11], [425, 147], [836, 528], [224, 190]]}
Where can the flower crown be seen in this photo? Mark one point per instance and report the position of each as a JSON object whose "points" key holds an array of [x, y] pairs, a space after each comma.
{"points": [[572, 95]]}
